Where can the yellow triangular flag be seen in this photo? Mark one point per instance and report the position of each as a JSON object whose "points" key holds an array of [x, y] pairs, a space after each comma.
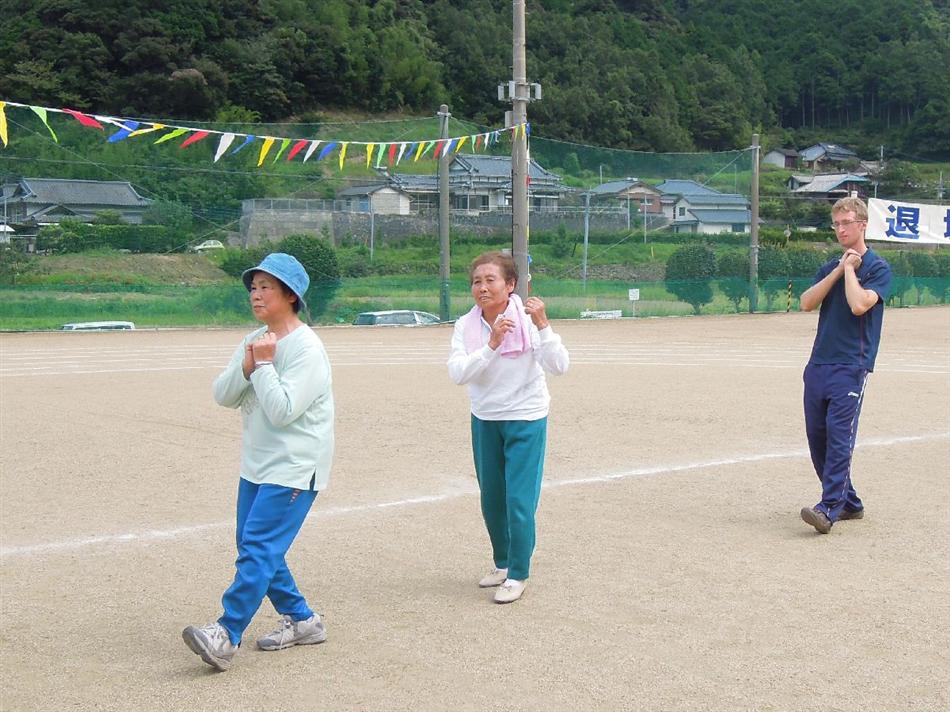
{"points": [[3, 122], [139, 132], [268, 142]]}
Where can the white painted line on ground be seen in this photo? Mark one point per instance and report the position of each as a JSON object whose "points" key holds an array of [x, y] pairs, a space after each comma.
{"points": [[152, 535]]}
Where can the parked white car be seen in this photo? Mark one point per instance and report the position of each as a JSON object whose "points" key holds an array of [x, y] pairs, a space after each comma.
{"points": [[395, 317], [98, 326], [208, 245]]}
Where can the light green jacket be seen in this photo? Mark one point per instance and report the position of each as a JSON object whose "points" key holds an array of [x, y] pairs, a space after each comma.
{"points": [[287, 411]]}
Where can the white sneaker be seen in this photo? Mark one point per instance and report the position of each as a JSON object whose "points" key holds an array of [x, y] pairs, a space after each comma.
{"points": [[212, 643], [495, 578], [510, 591], [291, 632]]}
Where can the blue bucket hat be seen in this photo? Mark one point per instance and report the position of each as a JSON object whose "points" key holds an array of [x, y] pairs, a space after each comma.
{"points": [[284, 267]]}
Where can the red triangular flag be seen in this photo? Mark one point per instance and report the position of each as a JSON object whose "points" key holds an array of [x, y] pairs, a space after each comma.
{"points": [[297, 148], [194, 138], [84, 120]]}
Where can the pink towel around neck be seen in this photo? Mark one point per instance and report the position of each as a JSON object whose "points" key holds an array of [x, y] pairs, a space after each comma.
{"points": [[516, 341]]}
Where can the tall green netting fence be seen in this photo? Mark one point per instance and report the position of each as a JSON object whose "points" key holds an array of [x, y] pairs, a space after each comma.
{"points": [[603, 232]]}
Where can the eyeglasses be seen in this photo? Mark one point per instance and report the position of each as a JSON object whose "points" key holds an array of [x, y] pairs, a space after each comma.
{"points": [[845, 223]]}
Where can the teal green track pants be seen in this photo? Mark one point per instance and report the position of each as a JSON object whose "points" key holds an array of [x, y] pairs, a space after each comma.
{"points": [[509, 462]]}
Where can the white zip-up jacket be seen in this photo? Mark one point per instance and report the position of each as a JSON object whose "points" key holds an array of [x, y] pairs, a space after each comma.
{"points": [[507, 388]]}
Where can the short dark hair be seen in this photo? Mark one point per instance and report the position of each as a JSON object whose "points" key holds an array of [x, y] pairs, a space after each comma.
{"points": [[505, 262]]}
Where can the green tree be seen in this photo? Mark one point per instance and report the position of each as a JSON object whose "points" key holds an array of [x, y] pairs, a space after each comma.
{"points": [[803, 264], [902, 278], [924, 269], [773, 273], [689, 272], [942, 258], [173, 215], [733, 270], [319, 259]]}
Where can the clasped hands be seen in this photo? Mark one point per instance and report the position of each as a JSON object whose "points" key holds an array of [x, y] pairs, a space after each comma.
{"points": [[260, 351], [533, 307], [851, 259]]}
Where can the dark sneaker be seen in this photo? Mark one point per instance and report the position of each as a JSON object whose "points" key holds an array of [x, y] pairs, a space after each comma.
{"points": [[817, 519], [291, 632], [211, 643], [851, 514]]}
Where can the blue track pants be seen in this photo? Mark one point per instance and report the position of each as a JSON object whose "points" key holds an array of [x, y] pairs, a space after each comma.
{"points": [[509, 462], [833, 397], [268, 519]]}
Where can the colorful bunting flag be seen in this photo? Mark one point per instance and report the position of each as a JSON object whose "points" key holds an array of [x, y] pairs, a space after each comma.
{"points": [[83, 119], [298, 147], [153, 127], [175, 133], [325, 150], [226, 140], [268, 142], [247, 140], [124, 131], [395, 151], [313, 147], [194, 138], [41, 112], [283, 147]]}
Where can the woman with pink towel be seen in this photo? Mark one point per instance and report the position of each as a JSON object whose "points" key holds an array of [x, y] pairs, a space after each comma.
{"points": [[501, 349]]}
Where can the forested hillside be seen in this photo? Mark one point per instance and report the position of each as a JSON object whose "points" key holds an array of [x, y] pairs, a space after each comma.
{"points": [[665, 75]]}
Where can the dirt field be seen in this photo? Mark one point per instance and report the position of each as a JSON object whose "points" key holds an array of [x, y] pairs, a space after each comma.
{"points": [[672, 571]]}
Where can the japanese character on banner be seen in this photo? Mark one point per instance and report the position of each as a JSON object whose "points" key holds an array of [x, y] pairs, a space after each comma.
{"points": [[905, 223]]}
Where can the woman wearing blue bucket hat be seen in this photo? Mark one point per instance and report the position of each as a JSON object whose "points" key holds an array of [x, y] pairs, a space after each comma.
{"points": [[280, 379]]}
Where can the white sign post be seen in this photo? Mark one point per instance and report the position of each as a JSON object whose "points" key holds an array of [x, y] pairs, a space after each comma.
{"points": [[634, 295]]}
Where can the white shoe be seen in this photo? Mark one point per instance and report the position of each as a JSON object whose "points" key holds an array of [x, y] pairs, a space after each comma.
{"points": [[510, 591], [495, 578], [291, 632], [211, 643]]}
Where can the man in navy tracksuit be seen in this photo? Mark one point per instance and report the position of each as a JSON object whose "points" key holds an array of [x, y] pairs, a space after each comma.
{"points": [[851, 291]]}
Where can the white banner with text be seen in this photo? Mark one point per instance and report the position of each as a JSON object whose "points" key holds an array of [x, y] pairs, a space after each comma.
{"points": [[893, 221]]}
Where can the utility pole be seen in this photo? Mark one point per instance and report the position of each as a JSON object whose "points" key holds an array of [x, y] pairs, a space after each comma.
{"points": [[880, 170], [519, 93], [754, 230], [444, 218], [586, 236]]}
